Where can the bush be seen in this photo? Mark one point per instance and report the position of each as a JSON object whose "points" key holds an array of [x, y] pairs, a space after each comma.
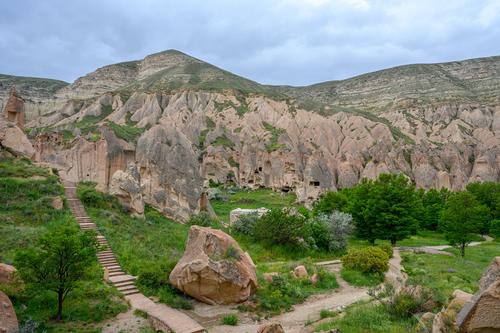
{"points": [[280, 226], [387, 249], [330, 232], [230, 319], [495, 228], [371, 259], [246, 224], [202, 219]]}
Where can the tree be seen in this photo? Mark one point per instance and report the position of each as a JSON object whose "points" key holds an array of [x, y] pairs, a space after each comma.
{"points": [[433, 202], [59, 260], [330, 202], [462, 219], [385, 208], [487, 194]]}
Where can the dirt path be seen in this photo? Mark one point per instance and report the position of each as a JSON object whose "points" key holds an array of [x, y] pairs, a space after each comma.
{"points": [[444, 247], [309, 311]]}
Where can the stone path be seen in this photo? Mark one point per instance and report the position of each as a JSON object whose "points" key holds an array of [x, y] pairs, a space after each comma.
{"points": [[162, 317]]}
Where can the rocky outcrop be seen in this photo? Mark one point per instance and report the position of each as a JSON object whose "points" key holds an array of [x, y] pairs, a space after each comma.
{"points": [[214, 269], [12, 137], [481, 313], [7, 274], [271, 328], [126, 185], [8, 319], [196, 127], [444, 321]]}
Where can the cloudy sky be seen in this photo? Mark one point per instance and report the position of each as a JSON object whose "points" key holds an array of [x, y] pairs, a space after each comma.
{"points": [[293, 42]]}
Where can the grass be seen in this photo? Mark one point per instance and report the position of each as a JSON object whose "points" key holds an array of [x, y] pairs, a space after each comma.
{"points": [[444, 274], [229, 319], [368, 318], [284, 291], [26, 214], [147, 248], [275, 132], [222, 141], [360, 279], [127, 132], [89, 124]]}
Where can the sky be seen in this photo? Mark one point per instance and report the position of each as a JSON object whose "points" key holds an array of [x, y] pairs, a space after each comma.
{"points": [[294, 42]]}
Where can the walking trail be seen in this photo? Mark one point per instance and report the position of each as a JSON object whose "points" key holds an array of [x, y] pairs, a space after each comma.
{"points": [[309, 311], [164, 317], [161, 316]]}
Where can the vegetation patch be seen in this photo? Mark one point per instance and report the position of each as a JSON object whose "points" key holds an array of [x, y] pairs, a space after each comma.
{"points": [[128, 133], [275, 132], [26, 215]]}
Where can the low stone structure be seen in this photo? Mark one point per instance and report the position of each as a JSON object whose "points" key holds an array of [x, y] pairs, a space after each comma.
{"points": [[235, 214], [214, 269]]}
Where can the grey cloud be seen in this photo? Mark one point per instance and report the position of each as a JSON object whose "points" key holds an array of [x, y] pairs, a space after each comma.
{"points": [[278, 42]]}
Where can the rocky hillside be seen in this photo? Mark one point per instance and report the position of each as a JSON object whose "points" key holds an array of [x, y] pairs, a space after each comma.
{"points": [[182, 122]]}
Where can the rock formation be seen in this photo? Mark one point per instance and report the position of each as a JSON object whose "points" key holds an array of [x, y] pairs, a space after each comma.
{"points": [[482, 313], [271, 328], [7, 274], [126, 186], [214, 269], [8, 319], [12, 136], [235, 214], [195, 123]]}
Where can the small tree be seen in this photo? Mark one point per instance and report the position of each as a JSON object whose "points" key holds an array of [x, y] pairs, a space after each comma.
{"points": [[433, 202], [60, 259], [462, 219]]}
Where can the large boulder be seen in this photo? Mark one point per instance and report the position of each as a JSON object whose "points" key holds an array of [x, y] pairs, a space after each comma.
{"points": [[214, 269], [482, 313], [8, 319], [126, 186]]}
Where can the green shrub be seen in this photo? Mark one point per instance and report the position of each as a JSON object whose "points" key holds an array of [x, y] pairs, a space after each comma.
{"points": [[245, 224], [495, 228], [140, 313], [202, 219], [369, 259], [280, 226], [230, 319], [326, 313], [387, 249]]}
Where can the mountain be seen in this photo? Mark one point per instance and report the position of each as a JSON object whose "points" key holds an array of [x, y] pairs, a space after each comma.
{"points": [[180, 122], [475, 80]]}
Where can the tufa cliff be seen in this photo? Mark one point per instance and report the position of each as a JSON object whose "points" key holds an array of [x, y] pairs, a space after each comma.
{"points": [[180, 122]]}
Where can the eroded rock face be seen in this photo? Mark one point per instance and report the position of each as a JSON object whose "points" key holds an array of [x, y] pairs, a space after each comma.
{"points": [[481, 313], [214, 269], [8, 319], [126, 185]]}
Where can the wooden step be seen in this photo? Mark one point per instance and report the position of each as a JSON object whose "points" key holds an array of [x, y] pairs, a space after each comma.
{"points": [[112, 274], [106, 260]]}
